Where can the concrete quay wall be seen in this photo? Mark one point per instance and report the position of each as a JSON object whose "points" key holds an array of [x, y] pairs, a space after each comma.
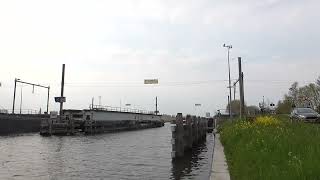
{"points": [[13, 124]]}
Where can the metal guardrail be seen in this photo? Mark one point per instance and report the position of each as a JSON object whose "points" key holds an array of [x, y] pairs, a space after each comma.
{"points": [[4, 111], [119, 109], [17, 111]]}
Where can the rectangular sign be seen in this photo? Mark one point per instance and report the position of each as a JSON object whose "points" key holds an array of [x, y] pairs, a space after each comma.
{"points": [[151, 81], [60, 99], [197, 104]]}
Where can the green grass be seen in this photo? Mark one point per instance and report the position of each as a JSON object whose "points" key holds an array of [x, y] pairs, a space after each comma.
{"points": [[276, 151]]}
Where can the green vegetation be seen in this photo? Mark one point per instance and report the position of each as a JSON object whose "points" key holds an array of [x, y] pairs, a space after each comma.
{"points": [[305, 96], [272, 148]]}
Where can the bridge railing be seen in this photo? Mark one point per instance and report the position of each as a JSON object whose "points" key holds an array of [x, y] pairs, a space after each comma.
{"points": [[17, 111], [119, 109]]}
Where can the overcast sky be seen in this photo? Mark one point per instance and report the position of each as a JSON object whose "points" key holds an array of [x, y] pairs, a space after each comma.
{"points": [[110, 47]]}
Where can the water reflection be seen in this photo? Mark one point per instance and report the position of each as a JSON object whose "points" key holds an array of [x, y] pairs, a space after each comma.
{"points": [[143, 154], [196, 163]]}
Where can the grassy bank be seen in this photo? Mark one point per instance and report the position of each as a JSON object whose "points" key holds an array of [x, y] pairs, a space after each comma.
{"points": [[272, 148]]}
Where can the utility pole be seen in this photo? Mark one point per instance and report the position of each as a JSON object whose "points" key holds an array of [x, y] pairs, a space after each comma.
{"points": [[62, 90], [241, 89], [14, 94], [240, 84], [230, 96], [156, 105], [48, 100]]}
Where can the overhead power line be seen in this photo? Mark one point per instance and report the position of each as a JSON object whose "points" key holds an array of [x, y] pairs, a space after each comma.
{"points": [[173, 83]]}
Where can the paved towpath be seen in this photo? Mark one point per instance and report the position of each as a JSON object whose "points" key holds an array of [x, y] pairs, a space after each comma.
{"points": [[219, 169]]}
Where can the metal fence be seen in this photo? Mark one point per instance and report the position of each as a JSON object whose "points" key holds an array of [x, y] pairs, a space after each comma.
{"points": [[119, 109], [17, 111]]}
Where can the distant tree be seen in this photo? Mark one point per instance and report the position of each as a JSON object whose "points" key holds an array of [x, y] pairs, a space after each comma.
{"points": [[310, 95], [293, 93], [235, 107], [285, 106], [305, 96]]}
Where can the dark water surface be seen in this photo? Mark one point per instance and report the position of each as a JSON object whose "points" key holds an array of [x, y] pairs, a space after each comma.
{"points": [[142, 154]]}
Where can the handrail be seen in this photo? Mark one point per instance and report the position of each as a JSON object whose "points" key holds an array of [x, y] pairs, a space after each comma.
{"points": [[17, 111], [119, 109]]}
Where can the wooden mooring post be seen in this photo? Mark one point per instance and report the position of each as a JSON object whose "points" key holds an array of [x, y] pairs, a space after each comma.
{"points": [[187, 132]]}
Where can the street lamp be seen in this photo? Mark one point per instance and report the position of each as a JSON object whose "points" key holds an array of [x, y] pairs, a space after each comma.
{"points": [[229, 47]]}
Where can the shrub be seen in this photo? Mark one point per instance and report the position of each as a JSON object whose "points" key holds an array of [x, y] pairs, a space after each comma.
{"points": [[267, 121]]}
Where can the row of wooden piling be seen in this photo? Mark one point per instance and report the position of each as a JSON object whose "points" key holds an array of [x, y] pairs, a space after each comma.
{"points": [[187, 132], [55, 126]]}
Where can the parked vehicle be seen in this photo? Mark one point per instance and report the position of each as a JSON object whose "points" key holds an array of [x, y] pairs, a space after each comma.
{"points": [[305, 114]]}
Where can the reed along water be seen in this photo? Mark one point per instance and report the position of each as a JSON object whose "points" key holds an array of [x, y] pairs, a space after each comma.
{"points": [[141, 154]]}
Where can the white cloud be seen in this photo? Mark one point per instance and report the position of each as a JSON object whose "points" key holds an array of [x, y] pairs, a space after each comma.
{"points": [[119, 43]]}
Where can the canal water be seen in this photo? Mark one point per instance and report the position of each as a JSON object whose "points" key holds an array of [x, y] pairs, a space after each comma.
{"points": [[141, 154]]}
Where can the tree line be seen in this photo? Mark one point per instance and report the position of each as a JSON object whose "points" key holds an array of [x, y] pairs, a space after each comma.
{"points": [[304, 96]]}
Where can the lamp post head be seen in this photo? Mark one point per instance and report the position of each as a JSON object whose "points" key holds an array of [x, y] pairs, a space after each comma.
{"points": [[227, 46]]}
